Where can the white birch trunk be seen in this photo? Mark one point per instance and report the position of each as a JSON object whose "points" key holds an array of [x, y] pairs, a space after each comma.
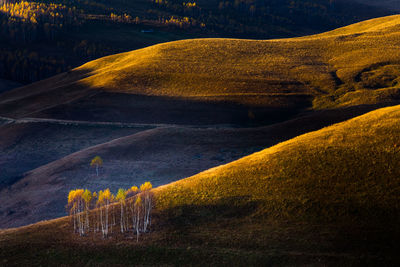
{"points": [[122, 218], [137, 225]]}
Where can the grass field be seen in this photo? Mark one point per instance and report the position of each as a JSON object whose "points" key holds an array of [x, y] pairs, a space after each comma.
{"points": [[328, 197], [326, 78], [313, 196], [94, 29], [352, 66], [348, 170], [53, 157]]}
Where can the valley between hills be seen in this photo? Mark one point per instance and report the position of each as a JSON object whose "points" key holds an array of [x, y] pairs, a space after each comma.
{"points": [[275, 152]]}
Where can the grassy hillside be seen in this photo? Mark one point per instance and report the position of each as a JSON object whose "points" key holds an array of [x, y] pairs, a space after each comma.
{"points": [[212, 83], [41, 155], [328, 197], [41, 38], [348, 170], [351, 66]]}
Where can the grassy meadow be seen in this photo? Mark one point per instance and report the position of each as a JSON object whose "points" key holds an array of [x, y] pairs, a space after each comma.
{"points": [[345, 171], [329, 197], [352, 66]]}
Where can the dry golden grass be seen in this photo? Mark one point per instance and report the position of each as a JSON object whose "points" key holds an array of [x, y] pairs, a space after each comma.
{"points": [[329, 197], [334, 67], [350, 66], [348, 170], [326, 197]]}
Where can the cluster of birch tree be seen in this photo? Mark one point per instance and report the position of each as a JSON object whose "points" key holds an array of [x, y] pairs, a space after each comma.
{"points": [[127, 211]]}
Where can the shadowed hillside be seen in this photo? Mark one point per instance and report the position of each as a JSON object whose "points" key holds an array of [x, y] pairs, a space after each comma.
{"points": [[26, 146], [162, 155], [388, 4], [6, 85], [328, 197], [253, 80]]}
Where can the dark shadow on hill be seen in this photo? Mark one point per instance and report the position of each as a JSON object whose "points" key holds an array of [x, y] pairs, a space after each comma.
{"points": [[119, 107], [233, 111], [363, 235], [164, 156], [242, 207], [190, 215], [41, 95]]}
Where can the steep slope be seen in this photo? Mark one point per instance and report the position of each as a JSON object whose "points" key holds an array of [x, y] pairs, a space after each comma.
{"points": [[36, 156], [239, 81], [162, 155], [328, 197], [348, 170]]}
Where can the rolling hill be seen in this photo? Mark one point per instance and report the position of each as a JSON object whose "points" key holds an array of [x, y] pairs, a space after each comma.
{"points": [[345, 171], [55, 155], [199, 90], [328, 197], [64, 34], [217, 81]]}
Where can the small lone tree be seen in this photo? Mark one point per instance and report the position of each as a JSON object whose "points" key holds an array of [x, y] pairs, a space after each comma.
{"points": [[96, 162]]}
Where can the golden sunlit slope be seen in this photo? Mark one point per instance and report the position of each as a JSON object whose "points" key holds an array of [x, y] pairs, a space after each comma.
{"points": [[348, 170], [355, 65], [329, 198], [386, 24]]}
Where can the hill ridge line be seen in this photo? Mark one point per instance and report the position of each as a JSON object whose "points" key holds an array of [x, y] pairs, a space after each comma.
{"points": [[272, 149]]}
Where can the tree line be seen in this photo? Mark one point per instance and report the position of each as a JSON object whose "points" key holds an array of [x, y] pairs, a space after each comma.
{"points": [[30, 21], [27, 64], [127, 211], [27, 27], [257, 18]]}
